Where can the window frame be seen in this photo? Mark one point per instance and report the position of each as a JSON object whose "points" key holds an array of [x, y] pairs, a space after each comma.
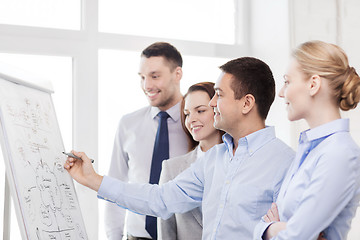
{"points": [[83, 47]]}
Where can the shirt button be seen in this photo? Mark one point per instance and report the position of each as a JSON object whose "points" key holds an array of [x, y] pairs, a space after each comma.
{"points": [[221, 205], [227, 182]]}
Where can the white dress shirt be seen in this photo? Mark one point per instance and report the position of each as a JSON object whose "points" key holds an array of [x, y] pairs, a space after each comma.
{"points": [[131, 161]]}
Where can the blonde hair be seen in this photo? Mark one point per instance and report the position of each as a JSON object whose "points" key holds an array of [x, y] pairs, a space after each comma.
{"points": [[330, 62]]}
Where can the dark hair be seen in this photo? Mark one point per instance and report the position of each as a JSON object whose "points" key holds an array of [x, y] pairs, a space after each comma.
{"points": [[252, 76], [207, 87], [166, 50]]}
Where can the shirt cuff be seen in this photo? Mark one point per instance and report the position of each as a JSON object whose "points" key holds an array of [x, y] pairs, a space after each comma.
{"points": [[260, 229], [109, 189], [114, 235]]}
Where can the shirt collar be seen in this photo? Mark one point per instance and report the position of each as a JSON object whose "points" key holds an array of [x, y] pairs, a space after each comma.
{"points": [[324, 130], [199, 152], [253, 141], [173, 112]]}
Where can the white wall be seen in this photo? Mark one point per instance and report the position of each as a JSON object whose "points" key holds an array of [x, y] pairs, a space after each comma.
{"points": [[270, 42]]}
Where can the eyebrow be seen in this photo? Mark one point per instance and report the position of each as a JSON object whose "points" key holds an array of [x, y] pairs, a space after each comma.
{"points": [[200, 106], [153, 72], [185, 109]]}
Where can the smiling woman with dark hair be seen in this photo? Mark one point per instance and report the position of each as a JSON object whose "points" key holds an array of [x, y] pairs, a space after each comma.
{"points": [[197, 119]]}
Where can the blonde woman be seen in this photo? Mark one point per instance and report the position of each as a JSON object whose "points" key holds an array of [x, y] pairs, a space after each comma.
{"points": [[320, 194]]}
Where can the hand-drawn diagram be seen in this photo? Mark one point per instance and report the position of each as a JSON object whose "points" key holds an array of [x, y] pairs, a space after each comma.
{"points": [[45, 191]]}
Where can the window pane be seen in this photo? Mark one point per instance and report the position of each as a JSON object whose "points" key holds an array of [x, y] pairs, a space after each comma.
{"points": [[63, 14], [200, 20], [120, 93], [58, 70], [200, 69]]}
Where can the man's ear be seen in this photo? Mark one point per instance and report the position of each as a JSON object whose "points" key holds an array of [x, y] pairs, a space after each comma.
{"points": [[248, 104], [314, 85], [178, 73]]}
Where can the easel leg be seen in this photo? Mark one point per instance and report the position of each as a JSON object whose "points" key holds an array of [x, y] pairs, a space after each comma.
{"points": [[7, 211]]}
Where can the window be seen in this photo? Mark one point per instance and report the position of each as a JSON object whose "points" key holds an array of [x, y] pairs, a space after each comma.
{"points": [[201, 20], [64, 14], [106, 81]]}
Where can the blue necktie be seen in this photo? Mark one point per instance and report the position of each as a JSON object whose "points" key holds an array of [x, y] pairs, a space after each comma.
{"points": [[160, 153]]}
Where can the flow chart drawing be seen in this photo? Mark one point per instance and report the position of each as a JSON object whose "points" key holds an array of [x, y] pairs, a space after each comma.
{"points": [[44, 191]]}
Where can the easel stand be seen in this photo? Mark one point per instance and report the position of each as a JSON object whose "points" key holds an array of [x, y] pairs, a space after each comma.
{"points": [[7, 211]]}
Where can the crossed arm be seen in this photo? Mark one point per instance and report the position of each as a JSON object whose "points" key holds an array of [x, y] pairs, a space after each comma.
{"points": [[273, 216]]}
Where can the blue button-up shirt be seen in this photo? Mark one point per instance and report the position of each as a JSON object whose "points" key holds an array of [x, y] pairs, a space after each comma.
{"points": [[321, 191], [234, 190]]}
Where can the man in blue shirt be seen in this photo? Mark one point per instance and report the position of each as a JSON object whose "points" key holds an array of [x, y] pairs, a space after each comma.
{"points": [[234, 182]]}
